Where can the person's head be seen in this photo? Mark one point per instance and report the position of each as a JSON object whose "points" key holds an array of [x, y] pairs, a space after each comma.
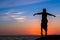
{"points": [[44, 9]]}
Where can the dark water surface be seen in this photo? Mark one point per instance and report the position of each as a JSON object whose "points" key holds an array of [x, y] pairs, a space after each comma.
{"points": [[21, 37]]}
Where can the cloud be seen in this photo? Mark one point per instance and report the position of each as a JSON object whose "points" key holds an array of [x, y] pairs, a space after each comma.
{"points": [[12, 3], [20, 13], [16, 16], [20, 19]]}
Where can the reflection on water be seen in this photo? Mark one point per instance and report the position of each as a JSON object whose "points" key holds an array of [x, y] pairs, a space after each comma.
{"points": [[18, 37]]}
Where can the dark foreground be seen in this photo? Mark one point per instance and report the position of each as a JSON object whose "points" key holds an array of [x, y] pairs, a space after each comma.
{"points": [[29, 37], [50, 37]]}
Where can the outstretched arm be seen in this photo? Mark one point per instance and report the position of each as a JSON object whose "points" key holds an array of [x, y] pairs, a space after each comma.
{"points": [[37, 14], [51, 14]]}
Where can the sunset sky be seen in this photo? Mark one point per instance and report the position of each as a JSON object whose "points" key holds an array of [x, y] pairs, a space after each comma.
{"points": [[16, 17]]}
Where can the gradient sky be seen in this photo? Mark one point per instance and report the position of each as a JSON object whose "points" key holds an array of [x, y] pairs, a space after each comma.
{"points": [[16, 17]]}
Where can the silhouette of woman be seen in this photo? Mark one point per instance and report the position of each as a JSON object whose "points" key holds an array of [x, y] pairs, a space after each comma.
{"points": [[44, 20]]}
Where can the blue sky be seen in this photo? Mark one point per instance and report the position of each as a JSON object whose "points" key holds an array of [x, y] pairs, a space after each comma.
{"points": [[27, 7], [21, 11]]}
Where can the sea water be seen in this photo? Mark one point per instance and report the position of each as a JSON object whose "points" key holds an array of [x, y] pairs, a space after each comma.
{"points": [[29, 37]]}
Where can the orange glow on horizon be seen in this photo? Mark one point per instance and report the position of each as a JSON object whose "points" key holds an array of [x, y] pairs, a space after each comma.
{"points": [[32, 27]]}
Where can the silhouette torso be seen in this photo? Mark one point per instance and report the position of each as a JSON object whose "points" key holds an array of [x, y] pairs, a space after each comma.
{"points": [[44, 20]]}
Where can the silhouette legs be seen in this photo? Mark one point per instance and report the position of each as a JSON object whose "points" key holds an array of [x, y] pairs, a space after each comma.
{"points": [[46, 32], [41, 31], [43, 26]]}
